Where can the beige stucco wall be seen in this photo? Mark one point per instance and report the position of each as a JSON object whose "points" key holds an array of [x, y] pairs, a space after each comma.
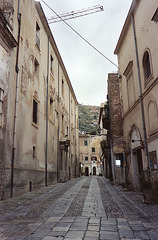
{"points": [[33, 85], [147, 36]]}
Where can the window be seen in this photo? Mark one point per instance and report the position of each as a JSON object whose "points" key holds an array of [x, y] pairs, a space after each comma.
{"points": [[36, 67], [37, 35], [146, 65], [35, 108], [86, 158], [155, 16], [93, 159], [62, 87], [85, 143], [153, 160], [51, 109], [93, 149], [51, 64], [34, 152], [62, 123], [67, 130], [119, 159]]}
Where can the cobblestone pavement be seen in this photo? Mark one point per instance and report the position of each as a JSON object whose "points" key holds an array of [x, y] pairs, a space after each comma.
{"points": [[87, 208]]}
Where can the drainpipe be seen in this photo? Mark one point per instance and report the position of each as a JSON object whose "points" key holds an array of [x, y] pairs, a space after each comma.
{"points": [[58, 128], [75, 146], [140, 92], [46, 154], [16, 102], [69, 134]]}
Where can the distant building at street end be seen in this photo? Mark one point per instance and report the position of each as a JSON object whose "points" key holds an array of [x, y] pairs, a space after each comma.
{"points": [[90, 154], [39, 130], [137, 52]]}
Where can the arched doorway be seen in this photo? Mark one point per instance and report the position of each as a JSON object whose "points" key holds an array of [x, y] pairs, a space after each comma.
{"points": [[86, 171], [136, 157], [94, 170]]}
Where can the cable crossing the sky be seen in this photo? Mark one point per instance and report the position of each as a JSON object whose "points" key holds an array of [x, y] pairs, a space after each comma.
{"points": [[80, 35]]}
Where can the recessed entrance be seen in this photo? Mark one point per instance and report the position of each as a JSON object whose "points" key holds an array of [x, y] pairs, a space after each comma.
{"points": [[86, 171], [137, 168], [94, 170]]}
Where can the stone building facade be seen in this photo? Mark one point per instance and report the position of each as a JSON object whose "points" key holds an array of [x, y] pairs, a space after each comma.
{"points": [[137, 53], [39, 119], [113, 145], [115, 133], [90, 154]]}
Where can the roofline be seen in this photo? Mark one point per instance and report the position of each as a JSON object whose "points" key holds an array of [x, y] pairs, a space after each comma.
{"points": [[132, 10], [53, 43]]}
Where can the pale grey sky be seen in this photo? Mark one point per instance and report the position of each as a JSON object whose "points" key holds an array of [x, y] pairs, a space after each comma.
{"points": [[86, 68]]}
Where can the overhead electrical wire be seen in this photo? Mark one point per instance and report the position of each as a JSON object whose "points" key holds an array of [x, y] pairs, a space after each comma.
{"points": [[80, 35]]}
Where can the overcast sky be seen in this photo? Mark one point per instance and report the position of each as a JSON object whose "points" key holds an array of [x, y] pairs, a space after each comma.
{"points": [[87, 69]]}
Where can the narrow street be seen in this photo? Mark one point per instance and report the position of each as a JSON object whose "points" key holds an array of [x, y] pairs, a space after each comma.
{"points": [[86, 208]]}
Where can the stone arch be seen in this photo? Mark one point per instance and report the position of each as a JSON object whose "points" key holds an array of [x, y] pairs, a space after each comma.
{"points": [[134, 137]]}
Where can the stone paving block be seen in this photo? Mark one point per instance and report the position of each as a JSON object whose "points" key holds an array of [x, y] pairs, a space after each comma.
{"points": [[93, 228], [92, 234], [153, 233], [81, 219], [123, 227], [67, 219], [57, 234], [130, 239], [54, 219], [87, 214], [83, 223], [60, 229], [74, 234], [39, 233], [108, 221], [63, 224], [126, 233], [73, 238], [52, 238], [137, 227], [135, 222], [109, 227], [122, 220], [109, 235], [142, 235], [150, 225], [78, 228], [94, 220], [32, 238], [91, 238]]}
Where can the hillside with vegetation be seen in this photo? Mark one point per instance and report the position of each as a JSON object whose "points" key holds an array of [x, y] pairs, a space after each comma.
{"points": [[88, 119]]}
